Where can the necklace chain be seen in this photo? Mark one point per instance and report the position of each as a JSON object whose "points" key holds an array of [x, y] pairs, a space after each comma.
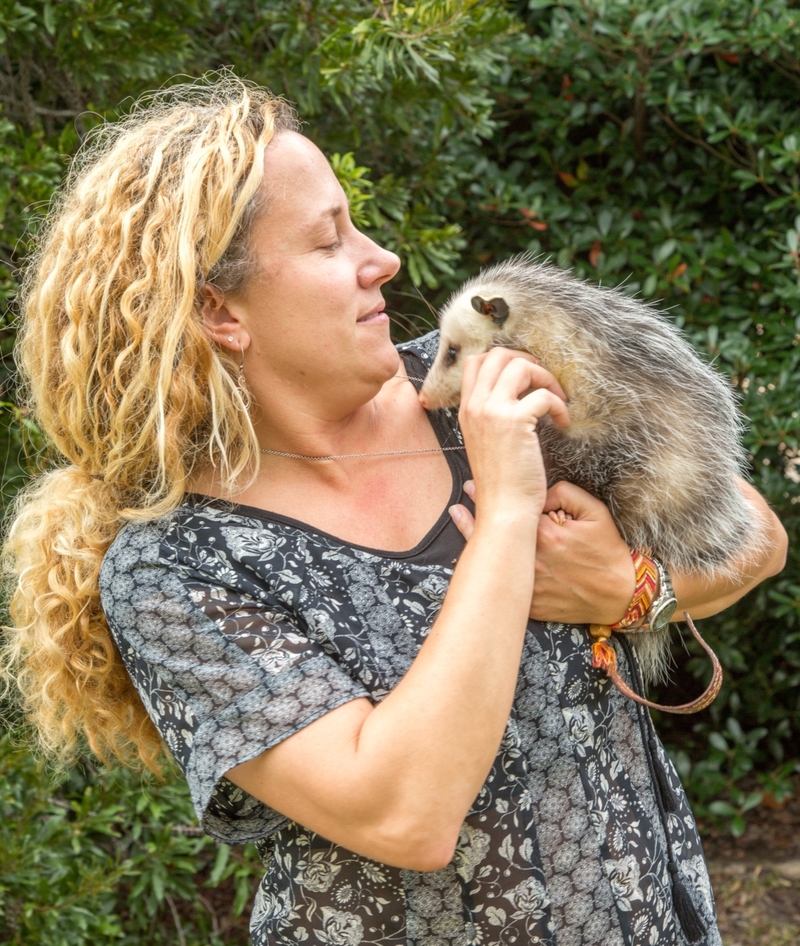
{"points": [[357, 456]]}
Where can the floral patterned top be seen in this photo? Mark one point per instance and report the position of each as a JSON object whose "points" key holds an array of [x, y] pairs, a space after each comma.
{"points": [[239, 627]]}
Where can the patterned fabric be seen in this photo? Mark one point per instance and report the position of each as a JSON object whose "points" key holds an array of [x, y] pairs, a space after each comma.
{"points": [[240, 627]]}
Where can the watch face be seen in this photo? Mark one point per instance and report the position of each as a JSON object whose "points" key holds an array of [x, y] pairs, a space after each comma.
{"points": [[662, 613]]}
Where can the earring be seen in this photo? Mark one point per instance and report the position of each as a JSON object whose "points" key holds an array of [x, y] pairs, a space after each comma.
{"points": [[230, 338], [241, 381]]}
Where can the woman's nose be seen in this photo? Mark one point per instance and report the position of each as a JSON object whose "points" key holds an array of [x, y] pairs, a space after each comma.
{"points": [[380, 266]]}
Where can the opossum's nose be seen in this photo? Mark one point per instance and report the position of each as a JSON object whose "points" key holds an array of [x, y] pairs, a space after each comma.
{"points": [[423, 400]]}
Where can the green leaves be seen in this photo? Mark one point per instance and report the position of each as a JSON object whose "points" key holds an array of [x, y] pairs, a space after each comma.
{"points": [[727, 763], [355, 183], [103, 858]]}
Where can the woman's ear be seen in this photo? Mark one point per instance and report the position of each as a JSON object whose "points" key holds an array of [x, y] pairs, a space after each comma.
{"points": [[222, 322]]}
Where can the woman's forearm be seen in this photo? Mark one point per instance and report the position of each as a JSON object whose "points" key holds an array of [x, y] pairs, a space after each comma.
{"points": [[703, 596], [448, 714]]}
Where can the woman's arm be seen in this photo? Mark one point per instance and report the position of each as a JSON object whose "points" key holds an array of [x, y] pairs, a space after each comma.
{"points": [[702, 597], [584, 573], [394, 781]]}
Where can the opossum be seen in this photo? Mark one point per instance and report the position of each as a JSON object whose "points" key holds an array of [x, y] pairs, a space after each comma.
{"points": [[655, 432]]}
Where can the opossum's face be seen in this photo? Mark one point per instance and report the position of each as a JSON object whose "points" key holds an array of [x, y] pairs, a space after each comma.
{"points": [[469, 325]]}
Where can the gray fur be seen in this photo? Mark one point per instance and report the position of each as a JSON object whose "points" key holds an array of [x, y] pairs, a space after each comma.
{"points": [[655, 432]]}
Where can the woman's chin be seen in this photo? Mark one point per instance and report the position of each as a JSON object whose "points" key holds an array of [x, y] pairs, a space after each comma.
{"points": [[384, 362]]}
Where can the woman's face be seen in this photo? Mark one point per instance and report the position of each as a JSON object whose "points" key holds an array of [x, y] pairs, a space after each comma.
{"points": [[313, 315]]}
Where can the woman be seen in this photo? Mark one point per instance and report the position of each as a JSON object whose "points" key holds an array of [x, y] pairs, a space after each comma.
{"points": [[342, 680]]}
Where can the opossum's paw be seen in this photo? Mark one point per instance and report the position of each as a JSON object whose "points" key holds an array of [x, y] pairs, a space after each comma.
{"points": [[560, 516]]}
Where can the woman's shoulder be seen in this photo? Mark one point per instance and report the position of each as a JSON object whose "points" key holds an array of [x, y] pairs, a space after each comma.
{"points": [[199, 522]]}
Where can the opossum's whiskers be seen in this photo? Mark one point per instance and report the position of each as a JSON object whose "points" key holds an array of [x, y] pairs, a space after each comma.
{"points": [[430, 307], [404, 321]]}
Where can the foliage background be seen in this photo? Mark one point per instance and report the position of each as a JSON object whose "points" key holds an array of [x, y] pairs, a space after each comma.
{"points": [[650, 145]]}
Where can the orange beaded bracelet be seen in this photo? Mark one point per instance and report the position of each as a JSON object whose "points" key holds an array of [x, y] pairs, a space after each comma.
{"points": [[644, 591]]}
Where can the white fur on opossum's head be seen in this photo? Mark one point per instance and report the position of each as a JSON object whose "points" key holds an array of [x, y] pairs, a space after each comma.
{"points": [[479, 317]]}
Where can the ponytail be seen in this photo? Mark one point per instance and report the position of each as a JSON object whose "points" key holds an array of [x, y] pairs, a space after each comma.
{"points": [[125, 383], [72, 684]]}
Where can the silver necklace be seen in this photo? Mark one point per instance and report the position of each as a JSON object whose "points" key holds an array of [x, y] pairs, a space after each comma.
{"points": [[357, 456]]}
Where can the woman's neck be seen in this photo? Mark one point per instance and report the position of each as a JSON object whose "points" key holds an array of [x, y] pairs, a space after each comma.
{"points": [[341, 496], [321, 428], [383, 424]]}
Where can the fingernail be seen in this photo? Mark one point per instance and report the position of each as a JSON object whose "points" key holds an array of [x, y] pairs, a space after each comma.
{"points": [[469, 488], [456, 513]]}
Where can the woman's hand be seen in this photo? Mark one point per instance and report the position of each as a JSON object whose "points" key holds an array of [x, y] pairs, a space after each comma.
{"points": [[584, 572], [498, 419]]}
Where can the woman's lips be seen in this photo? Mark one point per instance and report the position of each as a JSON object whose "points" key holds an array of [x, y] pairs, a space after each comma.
{"points": [[373, 318]]}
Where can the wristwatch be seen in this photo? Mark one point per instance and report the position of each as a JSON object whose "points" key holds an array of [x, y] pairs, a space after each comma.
{"points": [[660, 612]]}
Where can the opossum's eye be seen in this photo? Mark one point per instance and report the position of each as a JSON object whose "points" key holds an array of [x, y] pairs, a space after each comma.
{"points": [[452, 355]]}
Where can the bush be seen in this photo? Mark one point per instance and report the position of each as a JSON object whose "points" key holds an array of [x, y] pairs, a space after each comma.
{"points": [[105, 857]]}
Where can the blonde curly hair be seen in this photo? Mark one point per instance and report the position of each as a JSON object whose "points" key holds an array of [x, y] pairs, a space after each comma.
{"points": [[125, 383]]}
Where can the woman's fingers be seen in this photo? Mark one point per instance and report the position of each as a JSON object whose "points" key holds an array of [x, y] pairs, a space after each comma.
{"points": [[574, 501], [543, 401], [528, 369], [559, 516], [482, 372], [584, 571], [462, 515], [503, 381], [503, 397], [464, 520]]}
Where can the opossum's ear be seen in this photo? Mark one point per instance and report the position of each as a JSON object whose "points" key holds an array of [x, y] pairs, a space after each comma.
{"points": [[496, 309]]}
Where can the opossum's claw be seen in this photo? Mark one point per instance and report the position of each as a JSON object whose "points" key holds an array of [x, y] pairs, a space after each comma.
{"points": [[496, 309], [604, 657]]}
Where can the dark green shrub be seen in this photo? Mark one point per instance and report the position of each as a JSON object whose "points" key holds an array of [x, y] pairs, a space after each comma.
{"points": [[105, 857]]}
